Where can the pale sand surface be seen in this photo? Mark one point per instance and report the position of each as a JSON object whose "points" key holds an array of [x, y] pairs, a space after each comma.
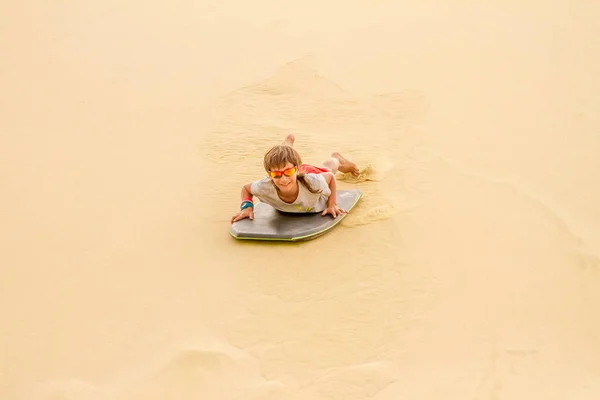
{"points": [[470, 269]]}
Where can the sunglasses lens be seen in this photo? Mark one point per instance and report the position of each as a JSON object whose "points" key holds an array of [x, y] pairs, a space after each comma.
{"points": [[290, 172], [287, 172]]}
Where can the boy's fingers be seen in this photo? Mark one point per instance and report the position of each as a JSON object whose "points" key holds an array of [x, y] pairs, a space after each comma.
{"points": [[240, 216]]}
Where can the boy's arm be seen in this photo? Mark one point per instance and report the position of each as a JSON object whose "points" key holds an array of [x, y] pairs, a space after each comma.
{"points": [[332, 207], [331, 182], [246, 211], [246, 192]]}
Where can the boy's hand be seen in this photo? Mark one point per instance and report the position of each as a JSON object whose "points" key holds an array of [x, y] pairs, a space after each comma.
{"points": [[334, 210], [245, 213]]}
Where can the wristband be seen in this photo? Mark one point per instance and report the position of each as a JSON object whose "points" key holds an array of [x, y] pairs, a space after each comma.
{"points": [[246, 204]]}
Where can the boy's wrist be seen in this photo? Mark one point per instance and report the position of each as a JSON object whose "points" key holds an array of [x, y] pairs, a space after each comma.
{"points": [[246, 204]]}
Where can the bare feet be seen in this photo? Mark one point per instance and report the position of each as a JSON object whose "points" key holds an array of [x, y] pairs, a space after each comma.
{"points": [[345, 165], [289, 140]]}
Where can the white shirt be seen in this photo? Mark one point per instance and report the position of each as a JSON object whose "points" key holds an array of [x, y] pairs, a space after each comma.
{"points": [[306, 201]]}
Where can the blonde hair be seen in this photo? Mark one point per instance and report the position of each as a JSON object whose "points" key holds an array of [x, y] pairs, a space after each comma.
{"points": [[280, 155]]}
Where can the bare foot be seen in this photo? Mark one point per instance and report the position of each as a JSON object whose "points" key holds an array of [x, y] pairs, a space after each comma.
{"points": [[345, 165], [289, 140]]}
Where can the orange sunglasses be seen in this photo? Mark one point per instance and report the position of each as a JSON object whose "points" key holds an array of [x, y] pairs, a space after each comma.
{"points": [[277, 174]]}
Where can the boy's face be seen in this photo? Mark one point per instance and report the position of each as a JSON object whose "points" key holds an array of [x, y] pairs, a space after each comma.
{"points": [[285, 183]]}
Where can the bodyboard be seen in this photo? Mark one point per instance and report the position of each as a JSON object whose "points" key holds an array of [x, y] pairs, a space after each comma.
{"points": [[271, 224]]}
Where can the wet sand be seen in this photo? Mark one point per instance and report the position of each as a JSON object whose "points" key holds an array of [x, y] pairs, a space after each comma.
{"points": [[470, 268]]}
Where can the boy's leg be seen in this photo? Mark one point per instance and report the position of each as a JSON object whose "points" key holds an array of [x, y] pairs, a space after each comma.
{"points": [[337, 162], [332, 164], [289, 140]]}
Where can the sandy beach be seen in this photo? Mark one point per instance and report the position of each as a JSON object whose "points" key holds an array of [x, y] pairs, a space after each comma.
{"points": [[470, 269]]}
